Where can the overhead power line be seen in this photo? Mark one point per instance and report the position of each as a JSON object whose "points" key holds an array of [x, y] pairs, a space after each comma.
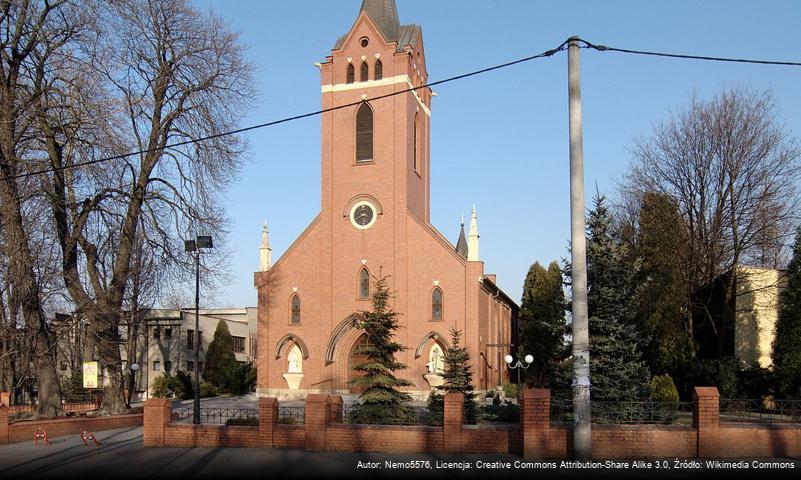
{"points": [[547, 53], [604, 48], [544, 54]]}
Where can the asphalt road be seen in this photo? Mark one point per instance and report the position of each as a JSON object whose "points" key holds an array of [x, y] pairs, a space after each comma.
{"points": [[122, 456]]}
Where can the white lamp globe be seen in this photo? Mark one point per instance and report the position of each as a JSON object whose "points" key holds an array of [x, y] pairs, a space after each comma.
{"points": [[529, 358], [134, 367], [508, 359]]}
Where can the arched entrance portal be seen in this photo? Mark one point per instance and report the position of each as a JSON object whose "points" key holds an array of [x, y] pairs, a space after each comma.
{"points": [[355, 359]]}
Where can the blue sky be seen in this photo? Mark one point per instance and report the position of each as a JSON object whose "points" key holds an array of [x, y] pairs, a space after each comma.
{"points": [[500, 140]]}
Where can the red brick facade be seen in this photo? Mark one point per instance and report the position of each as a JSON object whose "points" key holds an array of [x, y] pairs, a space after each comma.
{"points": [[322, 266], [536, 437]]}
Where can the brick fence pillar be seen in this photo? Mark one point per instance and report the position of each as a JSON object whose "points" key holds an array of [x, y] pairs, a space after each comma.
{"points": [[5, 398], [316, 420], [453, 420], [268, 419], [4, 413], [535, 416], [706, 419], [335, 409], [156, 418]]}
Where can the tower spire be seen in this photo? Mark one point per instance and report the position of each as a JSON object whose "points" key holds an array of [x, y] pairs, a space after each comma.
{"points": [[385, 15], [265, 252], [461, 245], [472, 238]]}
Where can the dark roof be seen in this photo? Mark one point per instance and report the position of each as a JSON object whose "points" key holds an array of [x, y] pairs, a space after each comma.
{"points": [[384, 14], [490, 285], [461, 245]]}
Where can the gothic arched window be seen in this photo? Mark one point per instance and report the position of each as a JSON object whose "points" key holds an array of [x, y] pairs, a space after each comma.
{"points": [[364, 133], [295, 309], [364, 284], [436, 304], [364, 73], [350, 73], [378, 70]]}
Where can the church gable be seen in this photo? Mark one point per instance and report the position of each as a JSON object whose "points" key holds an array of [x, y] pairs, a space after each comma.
{"points": [[300, 247], [364, 26], [383, 16]]}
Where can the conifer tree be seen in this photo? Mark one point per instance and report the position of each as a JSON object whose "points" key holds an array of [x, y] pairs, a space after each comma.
{"points": [[542, 322], [381, 402], [662, 318], [787, 342], [457, 379], [617, 369], [220, 358]]}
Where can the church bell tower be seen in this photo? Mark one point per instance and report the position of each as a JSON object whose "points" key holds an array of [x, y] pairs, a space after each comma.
{"points": [[375, 152]]}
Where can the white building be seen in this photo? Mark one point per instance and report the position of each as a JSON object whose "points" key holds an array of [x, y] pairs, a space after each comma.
{"points": [[166, 341]]}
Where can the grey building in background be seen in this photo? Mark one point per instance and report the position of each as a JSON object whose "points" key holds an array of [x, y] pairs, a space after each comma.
{"points": [[164, 342]]}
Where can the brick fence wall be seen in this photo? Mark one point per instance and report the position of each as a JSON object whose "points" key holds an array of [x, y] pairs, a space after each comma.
{"points": [[537, 437], [707, 437], [23, 430]]}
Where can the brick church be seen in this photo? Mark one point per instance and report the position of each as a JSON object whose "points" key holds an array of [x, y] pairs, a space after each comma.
{"points": [[375, 217]]}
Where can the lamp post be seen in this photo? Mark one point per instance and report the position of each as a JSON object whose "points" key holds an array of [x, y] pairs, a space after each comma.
{"points": [[518, 366], [194, 246], [132, 369]]}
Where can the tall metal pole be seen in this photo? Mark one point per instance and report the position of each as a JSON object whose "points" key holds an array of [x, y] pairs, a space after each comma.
{"points": [[582, 441], [196, 409]]}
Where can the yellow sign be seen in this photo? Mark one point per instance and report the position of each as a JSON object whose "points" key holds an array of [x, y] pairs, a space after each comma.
{"points": [[89, 374]]}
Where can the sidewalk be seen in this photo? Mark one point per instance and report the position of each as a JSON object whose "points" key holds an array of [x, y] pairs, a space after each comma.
{"points": [[122, 456]]}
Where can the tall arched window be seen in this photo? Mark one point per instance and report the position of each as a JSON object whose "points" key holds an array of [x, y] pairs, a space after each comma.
{"points": [[295, 309], [364, 133], [436, 304], [378, 70], [351, 72], [364, 284], [415, 154], [364, 73]]}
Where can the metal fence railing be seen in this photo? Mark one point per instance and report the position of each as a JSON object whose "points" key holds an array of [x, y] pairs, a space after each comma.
{"points": [[760, 411], [642, 412], [70, 407], [82, 396], [603, 412], [344, 411], [215, 415], [291, 415]]}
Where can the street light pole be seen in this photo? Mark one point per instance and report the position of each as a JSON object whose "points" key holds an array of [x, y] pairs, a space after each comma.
{"points": [[132, 381], [518, 366], [196, 405], [194, 246]]}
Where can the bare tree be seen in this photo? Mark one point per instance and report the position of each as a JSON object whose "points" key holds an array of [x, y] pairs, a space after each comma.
{"points": [[732, 171], [31, 34], [159, 72]]}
